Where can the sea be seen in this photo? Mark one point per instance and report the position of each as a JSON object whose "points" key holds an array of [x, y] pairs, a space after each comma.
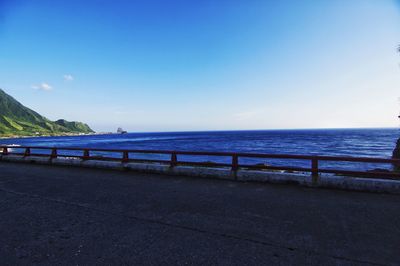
{"points": [[377, 142]]}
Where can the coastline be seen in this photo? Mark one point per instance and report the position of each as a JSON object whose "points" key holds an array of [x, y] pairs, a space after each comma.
{"points": [[55, 135]]}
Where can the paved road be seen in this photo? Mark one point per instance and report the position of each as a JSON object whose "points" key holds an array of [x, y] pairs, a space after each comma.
{"points": [[70, 216]]}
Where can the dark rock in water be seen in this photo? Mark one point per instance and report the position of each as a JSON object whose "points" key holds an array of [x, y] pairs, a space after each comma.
{"points": [[121, 131]]}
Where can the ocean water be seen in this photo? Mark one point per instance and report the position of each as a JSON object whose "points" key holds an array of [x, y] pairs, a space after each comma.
{"points": [[339, 142]]}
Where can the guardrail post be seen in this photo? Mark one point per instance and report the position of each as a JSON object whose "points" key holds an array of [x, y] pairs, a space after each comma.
{"points": [[235, 162], [174, 159], [27, 152], [125, 156], [5, 151], [86, 154], [314, 170], [53, 153], [235, 165]]}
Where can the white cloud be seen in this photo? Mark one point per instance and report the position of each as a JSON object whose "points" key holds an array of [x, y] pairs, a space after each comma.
{"points": [[68, 77], [246, 115], [42, 86]]}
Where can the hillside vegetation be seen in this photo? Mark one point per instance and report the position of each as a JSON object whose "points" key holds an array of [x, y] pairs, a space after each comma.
{"points": [[18, 120]]}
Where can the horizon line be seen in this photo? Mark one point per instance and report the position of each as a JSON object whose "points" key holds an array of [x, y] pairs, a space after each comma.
{"points": [[231, 130]]}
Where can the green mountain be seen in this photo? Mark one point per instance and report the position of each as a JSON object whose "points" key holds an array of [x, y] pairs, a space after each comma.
{"points": [[74, 126], [18, 120]]}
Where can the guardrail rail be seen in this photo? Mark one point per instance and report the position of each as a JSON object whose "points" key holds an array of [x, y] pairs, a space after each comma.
{"points": [[234, 165]]}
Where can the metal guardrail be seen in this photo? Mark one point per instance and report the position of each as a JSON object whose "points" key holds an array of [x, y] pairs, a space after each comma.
{"points": [[173, 161]]}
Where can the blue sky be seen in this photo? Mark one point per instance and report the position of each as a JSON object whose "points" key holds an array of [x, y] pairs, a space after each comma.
{"points": [[204, 65]]}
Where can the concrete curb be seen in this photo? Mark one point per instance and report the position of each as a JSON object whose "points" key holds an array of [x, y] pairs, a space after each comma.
{"points": [[324, 181]]}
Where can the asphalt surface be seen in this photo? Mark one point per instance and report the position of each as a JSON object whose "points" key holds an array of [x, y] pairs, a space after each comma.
{"points": [[73, 216]]}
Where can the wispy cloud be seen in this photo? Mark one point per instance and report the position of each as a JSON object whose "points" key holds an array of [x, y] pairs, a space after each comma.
{"points": [[42, 86], [68, 77], [246, 115]]}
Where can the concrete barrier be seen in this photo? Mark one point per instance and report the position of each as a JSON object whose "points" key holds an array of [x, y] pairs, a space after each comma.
{"points": [[278, 177]]}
